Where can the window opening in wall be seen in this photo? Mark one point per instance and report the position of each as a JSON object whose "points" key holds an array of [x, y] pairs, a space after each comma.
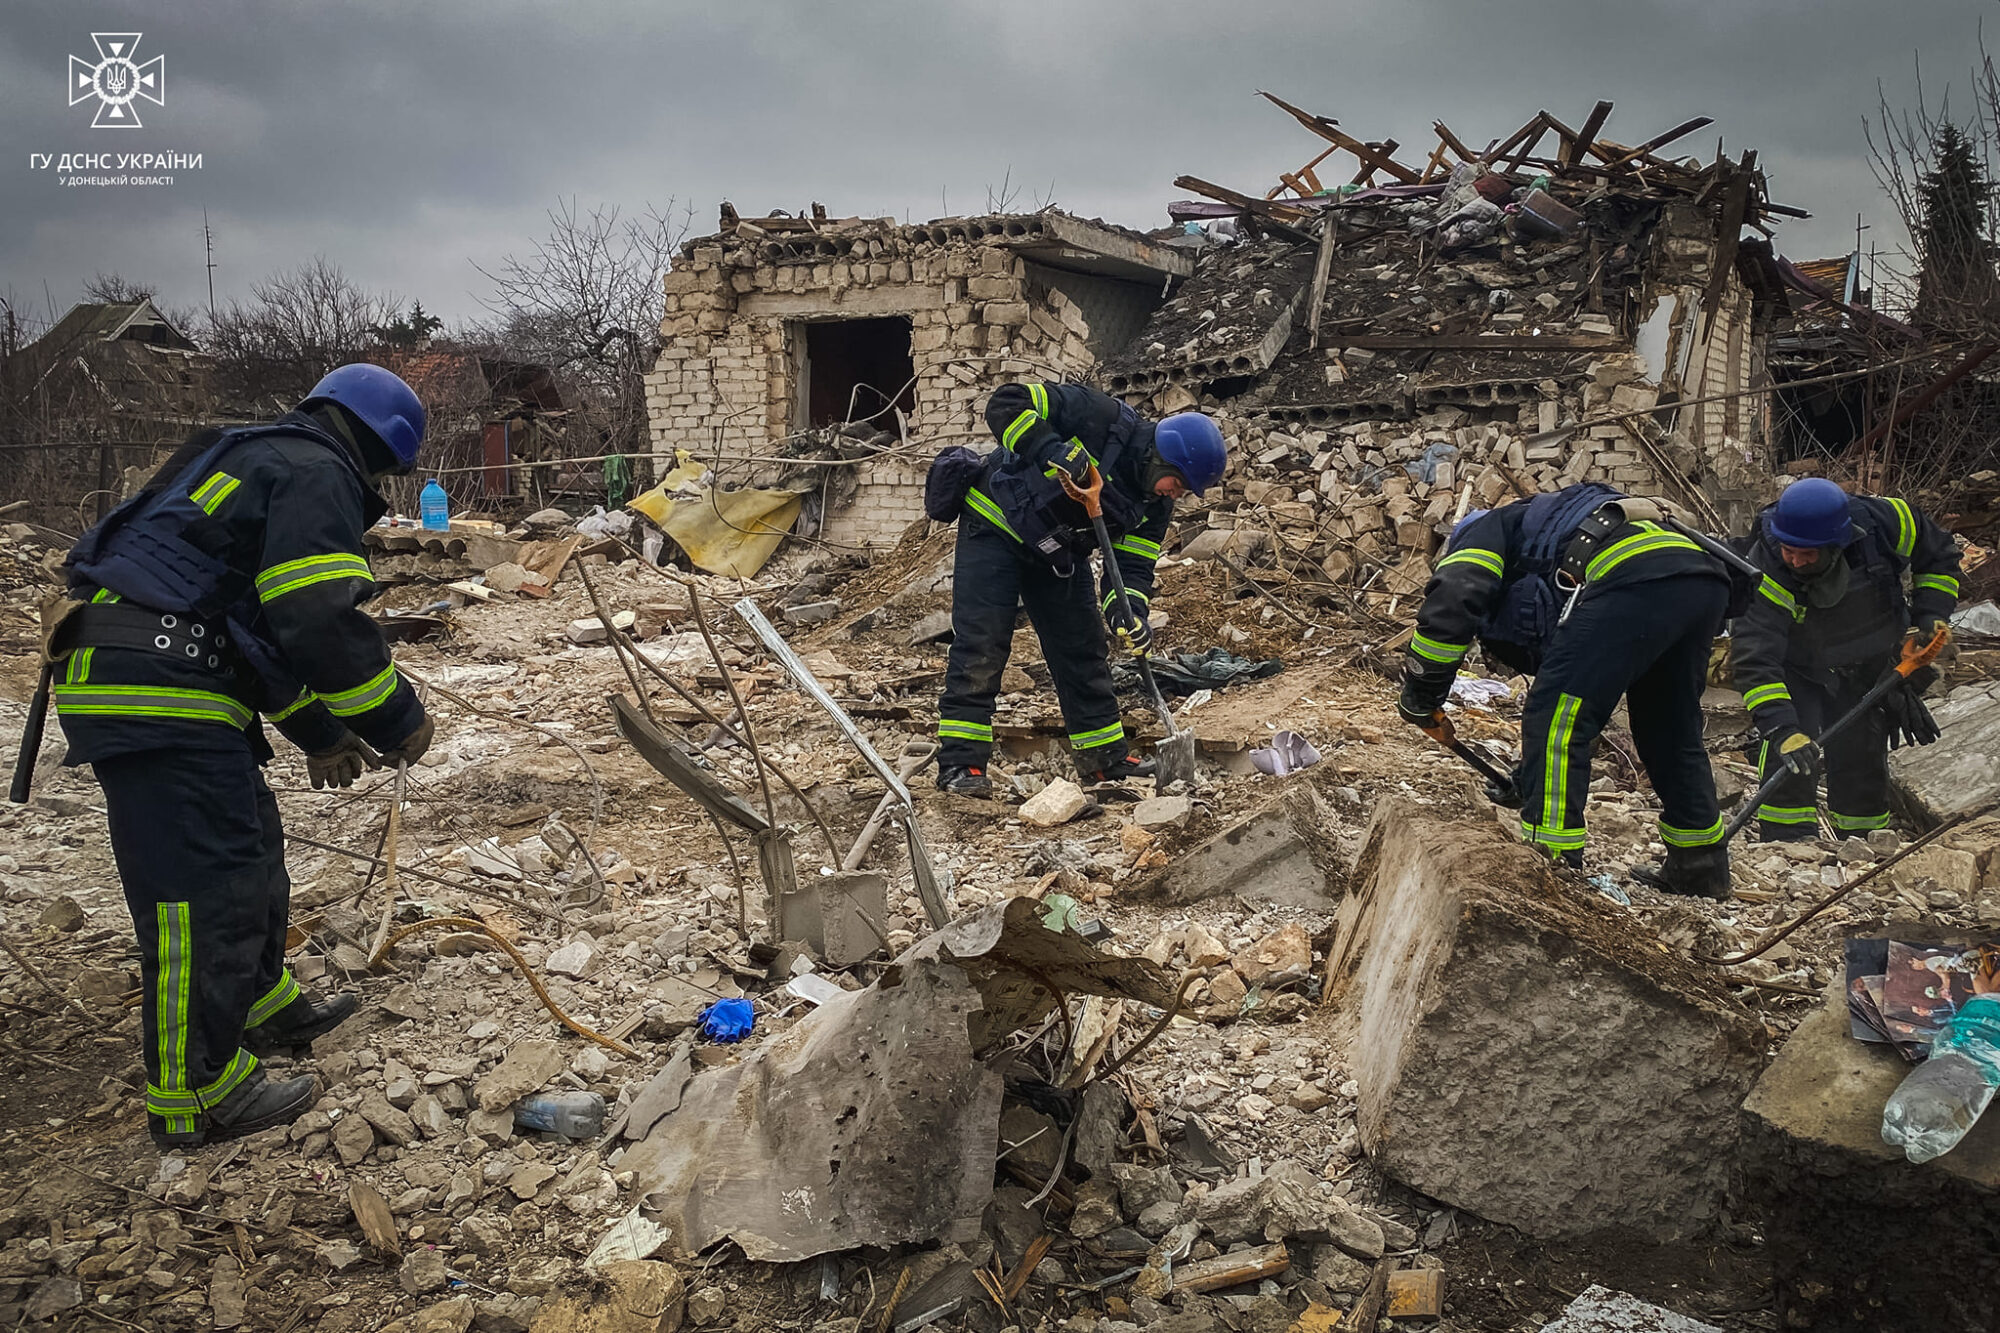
{"points": [[854, 369]]}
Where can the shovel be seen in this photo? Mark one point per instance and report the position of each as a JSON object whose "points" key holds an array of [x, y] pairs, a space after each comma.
{"points": [[1916, 656], [1175, 753]]}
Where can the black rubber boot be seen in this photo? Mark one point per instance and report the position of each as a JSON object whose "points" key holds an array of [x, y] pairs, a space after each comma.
{"points": [[1691, 872], [1122, 770], [257, 1104], [964, 780], [292, 1029]]}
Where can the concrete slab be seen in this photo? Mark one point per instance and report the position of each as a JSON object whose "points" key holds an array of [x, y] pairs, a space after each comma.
{"points": [[1962, 770], [1859, 1238], [1280, 853], [1525, 1049]]}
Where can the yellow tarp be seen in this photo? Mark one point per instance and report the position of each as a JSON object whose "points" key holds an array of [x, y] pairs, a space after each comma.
{"points": [[723, 532]]}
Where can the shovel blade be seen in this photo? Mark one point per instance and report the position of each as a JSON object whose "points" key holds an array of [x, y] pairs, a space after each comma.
{"points": [[1175, 759]]}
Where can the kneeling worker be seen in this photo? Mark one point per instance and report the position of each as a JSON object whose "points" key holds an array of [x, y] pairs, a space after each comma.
{"points": [[1585, 590], [1023, 542], [231, 586]]}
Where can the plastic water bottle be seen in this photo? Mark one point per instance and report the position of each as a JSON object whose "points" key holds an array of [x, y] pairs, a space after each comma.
{"points": [[1942, 1097], [574, 1115], [435, 506]]}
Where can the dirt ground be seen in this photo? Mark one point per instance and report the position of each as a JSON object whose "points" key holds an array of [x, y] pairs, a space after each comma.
{"points": [[529, 787]]}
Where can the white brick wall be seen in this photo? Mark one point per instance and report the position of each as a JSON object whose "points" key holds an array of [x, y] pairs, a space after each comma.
{"points": [[726, 376]]}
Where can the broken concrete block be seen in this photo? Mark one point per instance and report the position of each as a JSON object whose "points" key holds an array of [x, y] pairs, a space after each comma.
{"points": [[1201, 946], [591, 630], [1825, 1181], [1096, 1210], [1057, 803], [1239, 544], [1276, 854], [817, 1151], [1162, 812], [392, 1124], [1601, 1310], [933, 628], [1279, 959], [812, 613], [645, 1296], [1948, 868], [528, 1067], [579, 958], [64, 914], [1141, 1187], [1961, 771], [1518, 1054]]}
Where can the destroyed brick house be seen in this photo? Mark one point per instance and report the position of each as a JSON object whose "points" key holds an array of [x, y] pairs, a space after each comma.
{"points": [[102, 390], [1384, 355]]}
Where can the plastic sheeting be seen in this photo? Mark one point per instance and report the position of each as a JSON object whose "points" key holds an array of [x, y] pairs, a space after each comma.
{"points": [[723, 532]]}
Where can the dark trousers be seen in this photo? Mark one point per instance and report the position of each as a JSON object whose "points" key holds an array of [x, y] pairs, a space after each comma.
{"points": [[991, 577], [201, 853], [1648, 643], [1856, 762]]}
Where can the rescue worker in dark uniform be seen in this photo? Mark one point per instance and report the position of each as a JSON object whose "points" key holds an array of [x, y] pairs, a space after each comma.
{"points": [[231, 586], [1023, 542], [1590, 593], [1829, 618]]}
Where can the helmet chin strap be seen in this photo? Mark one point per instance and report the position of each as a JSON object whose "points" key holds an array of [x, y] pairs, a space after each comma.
{"points": [[373, 455]]}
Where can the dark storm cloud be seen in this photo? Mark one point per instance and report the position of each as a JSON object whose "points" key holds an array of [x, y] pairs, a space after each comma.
{"points": [[407, 141]]}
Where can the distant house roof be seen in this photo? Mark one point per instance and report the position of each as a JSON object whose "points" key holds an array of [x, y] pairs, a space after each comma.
{"points": [[133, 321], [127, 357]]}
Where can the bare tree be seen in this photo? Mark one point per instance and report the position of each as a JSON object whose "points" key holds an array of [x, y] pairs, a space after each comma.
{"points": [[295, 327], [114, 288], [1935, 161], [587, 302]]}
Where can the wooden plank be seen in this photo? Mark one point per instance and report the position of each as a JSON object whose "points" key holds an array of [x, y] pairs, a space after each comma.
{"points": [[1232, 1270], [1534, 139], [1304, 173], [1366, 176], [1658, 141], [1452, 140], [1586, 135], [1327, 128], [1729, 235], [1322, 270], [1513, 141]]}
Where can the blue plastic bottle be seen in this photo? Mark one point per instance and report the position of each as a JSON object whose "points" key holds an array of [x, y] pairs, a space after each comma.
{"points": [[435, 507]]}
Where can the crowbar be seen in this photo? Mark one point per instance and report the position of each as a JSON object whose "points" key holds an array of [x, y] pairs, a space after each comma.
{"points": [[1176, 752]]}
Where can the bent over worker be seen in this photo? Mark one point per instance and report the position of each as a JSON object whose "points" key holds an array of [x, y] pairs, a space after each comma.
{"points": [[1829, 619], [229, 587], [1585, 589], [1022, 542]]}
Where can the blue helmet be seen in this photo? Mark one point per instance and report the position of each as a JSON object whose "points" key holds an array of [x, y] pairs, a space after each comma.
{"points": [[381, 400], [1191, 444], [1811, 512]]}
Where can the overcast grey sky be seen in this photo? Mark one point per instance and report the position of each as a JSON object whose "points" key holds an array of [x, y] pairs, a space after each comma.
{"points": [[406, 141]]}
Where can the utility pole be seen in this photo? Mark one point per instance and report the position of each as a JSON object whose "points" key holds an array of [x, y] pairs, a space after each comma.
{"points": [[208, 246]]}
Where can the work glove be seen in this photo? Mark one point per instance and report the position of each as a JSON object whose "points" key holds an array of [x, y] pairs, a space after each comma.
{"points": [[1924, 631], [1423, 694], [1906, 719], [340, 766], [1073, 459], [411, 748], [1504, 794], [1125, 617], [1797, 752]]}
